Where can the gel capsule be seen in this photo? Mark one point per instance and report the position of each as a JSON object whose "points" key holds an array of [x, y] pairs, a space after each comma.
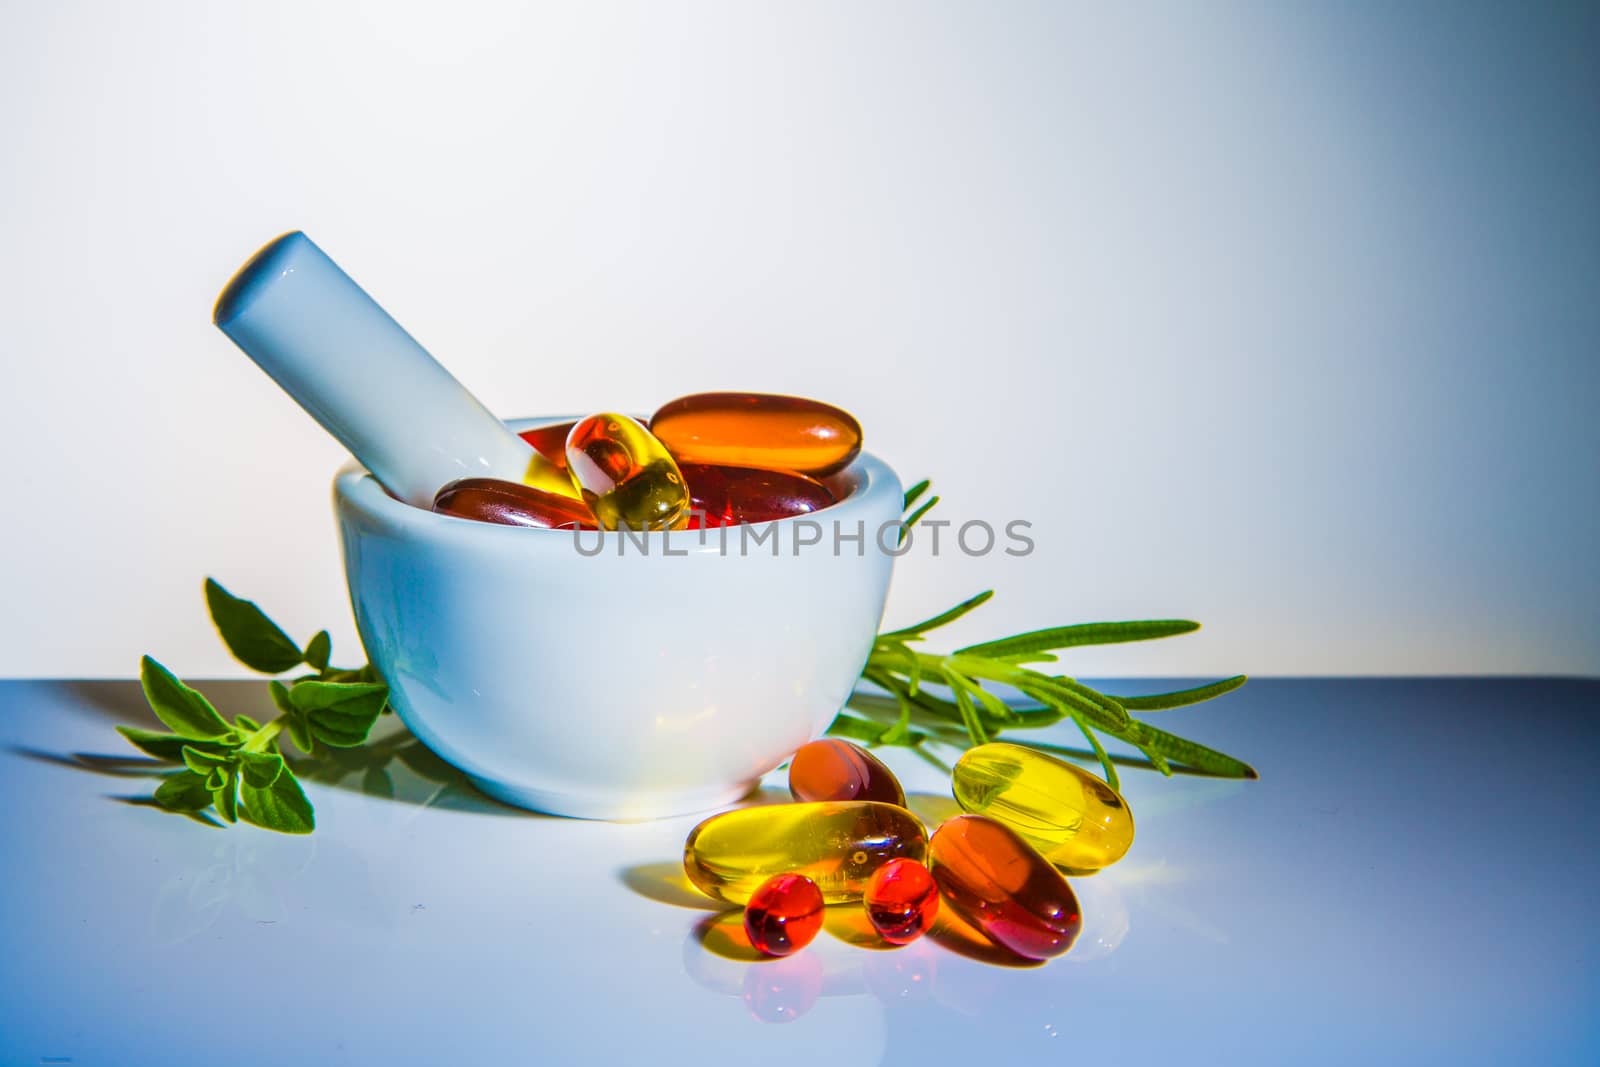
{"points": [[836, 845], [902, 900], [783, 914], [784, 433], [727, 496], [550, 441], [996, 881], [511, 504], [837, 770], [1073, 818], [627, 478]]}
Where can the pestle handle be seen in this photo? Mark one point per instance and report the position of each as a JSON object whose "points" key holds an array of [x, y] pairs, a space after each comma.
{"points": [[358, 373]]}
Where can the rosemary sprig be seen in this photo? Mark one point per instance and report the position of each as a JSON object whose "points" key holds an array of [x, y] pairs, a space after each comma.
{"points": [[237, 769], [970, 712]]}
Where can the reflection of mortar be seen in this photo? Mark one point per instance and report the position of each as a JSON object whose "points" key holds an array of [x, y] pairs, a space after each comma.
{"points": [[631, 683]]}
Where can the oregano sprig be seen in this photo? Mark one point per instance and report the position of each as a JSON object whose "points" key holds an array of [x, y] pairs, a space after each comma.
{"points": [[237, 768]]}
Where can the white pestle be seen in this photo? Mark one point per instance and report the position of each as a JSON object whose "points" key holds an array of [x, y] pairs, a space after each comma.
{"points": [[402, 415]]}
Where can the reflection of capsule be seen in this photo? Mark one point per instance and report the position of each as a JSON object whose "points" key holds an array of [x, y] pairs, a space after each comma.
{"points": [[902, 977], [628, 479], [1073, 818], [786, 433], [996, 881], [783, 990], [836, 845], [831, 769]]}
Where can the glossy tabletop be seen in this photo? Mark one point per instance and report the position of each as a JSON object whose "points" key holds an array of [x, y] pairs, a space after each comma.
{"points": [[1412, 880]]}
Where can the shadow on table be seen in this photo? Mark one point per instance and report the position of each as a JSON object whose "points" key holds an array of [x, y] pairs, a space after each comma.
{"points": [[393, 765]]}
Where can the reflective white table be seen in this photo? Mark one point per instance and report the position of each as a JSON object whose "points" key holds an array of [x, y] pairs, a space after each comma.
{"points": [[1413, 880]]}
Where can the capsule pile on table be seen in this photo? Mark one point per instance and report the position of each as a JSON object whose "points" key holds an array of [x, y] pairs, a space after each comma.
{"points": [[707, 460], [850, 838]]}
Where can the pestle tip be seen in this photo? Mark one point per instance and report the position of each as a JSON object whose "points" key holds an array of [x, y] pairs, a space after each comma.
{"points": [[267, 264]]}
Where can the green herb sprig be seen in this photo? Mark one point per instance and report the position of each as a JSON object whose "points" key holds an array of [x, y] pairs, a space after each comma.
{"points": [[237, 769], [971, 713]]}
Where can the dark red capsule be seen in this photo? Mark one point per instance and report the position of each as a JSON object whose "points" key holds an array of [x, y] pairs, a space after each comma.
{"points": [[901, 900], [511, 504], [728, 496], [783, 914], [999, 883], [831, 769]]}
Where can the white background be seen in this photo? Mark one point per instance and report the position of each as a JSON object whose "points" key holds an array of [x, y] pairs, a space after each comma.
{"points": [[1282, 318]]}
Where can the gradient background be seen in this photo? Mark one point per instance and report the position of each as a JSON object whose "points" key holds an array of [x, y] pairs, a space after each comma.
{"points": [[1281, 317]]}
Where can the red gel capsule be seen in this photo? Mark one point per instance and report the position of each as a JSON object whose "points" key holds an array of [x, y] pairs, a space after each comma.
{"points": [[837, 770], [511, 504], [901, 899], [996, 881], [728, 496], [550, 441], [786, 433], [783, 914]]}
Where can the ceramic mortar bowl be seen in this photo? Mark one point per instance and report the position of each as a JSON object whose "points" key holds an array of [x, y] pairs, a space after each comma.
{"points": [[618, 675]]}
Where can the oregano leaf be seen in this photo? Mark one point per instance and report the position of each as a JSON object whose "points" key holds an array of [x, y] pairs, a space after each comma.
{"points": [[255, 640], [183, 709]]}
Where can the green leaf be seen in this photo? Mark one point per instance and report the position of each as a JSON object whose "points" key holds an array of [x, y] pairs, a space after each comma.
{"points": [[162, 746], [939, 620], [261, 769], [300, 733], [1089, 633], [916, 517], [913, 494], [340, 714], [183, 709], [226, 794], [1100, 754], [255, 640], [1159, 743], [201, 762], [282, 806], [1183, 697], [246, 724], [318, 649], [183, 791]]}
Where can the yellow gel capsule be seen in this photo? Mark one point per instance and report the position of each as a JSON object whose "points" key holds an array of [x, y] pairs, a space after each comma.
{"points": [[628, 478], [1073, 818], [836, 844]]}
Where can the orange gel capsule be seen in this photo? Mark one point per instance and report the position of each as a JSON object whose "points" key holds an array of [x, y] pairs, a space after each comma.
{"points": [[996, 881], [728, 496], [550, 441], [836, 845], [786, 433], [837, 770], [628, 479], [511, 504]]}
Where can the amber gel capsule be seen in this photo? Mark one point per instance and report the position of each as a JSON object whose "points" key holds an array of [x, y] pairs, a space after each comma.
{"points": [[511, 504], [837, 770], [1073, 818], [836, 845], [627, 478], [997, 882], [728, 496], [785, 433]]}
